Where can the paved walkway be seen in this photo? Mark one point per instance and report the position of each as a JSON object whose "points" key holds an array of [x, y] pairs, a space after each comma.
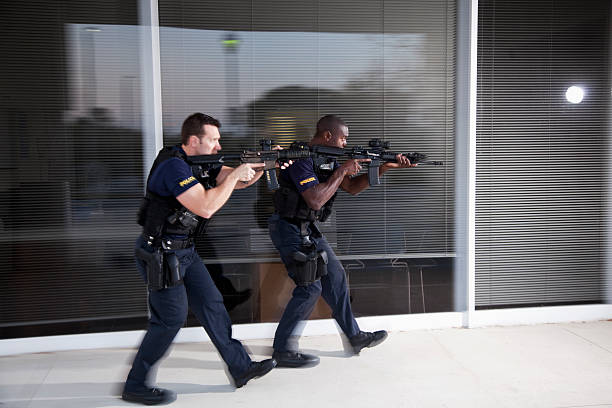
{"points": [[553, 365]]}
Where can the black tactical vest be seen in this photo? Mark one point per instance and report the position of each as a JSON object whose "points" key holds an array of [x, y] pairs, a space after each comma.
{"points": [[289, 203], [164, 216]]}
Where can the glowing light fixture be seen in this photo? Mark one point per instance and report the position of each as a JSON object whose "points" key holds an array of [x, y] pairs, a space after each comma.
{"points": [[574, 94], [231, 43]]}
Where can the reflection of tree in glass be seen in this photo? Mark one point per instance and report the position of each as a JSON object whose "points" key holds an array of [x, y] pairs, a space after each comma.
{"points": [[374, 108], [108, 158]]}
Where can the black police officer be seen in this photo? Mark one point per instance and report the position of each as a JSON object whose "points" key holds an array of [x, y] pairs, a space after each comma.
{"points": [[306, 195], [179, 200]]}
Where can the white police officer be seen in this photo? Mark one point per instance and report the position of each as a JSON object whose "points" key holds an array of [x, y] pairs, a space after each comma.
{"points": [[179, 200]]}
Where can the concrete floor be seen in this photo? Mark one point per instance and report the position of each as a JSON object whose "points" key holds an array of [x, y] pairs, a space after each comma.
{"points": [[553, 365]]}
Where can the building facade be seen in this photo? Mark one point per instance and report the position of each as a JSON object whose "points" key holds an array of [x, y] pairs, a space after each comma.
{"points": [[513, 228]]}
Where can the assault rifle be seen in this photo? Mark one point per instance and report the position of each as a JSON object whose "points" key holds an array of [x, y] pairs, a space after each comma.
{"points": [[376, 151], [267, 156]]}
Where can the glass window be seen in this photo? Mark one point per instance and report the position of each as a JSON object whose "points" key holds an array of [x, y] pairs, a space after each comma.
{"points": [[71, 168], [271, 69], [542, 169]]}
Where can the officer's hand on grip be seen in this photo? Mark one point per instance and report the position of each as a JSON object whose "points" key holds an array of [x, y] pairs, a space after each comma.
{"points": [[246, 171], [353, 166]]}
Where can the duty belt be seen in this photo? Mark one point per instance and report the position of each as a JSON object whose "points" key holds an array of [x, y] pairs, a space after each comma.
{"points": [[170, 244], [294, 221], [303, 226]]}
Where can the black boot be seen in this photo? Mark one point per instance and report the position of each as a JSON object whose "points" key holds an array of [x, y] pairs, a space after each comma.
{"points": [[293, 359], [255, 370], [367, 339], [149, 396]]}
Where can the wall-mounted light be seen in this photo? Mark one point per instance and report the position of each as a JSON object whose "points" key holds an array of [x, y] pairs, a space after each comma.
{"points": [[574, 94]]}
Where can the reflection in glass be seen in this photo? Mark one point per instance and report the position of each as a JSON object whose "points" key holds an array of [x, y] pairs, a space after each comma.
{"points": [[68, 215], [396, 240]]}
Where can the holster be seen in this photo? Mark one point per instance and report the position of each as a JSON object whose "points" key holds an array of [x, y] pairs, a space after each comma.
{"points": [[163, 268], [307, 268], [172, 270]]}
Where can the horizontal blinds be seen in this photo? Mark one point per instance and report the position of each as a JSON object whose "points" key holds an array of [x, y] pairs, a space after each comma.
{"points": [[541, 161], [70, 163], [270, 69]]}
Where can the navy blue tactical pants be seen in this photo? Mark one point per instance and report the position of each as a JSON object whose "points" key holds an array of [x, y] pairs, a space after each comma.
{"points": [[333, 287], [168, 308]]}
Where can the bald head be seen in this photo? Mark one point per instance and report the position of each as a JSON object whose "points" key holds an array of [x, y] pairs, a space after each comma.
{"points": [[331, 131], [330, 123]]}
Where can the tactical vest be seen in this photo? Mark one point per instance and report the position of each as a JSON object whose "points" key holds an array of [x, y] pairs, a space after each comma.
{"points": [[289, 203], [164, 216]]}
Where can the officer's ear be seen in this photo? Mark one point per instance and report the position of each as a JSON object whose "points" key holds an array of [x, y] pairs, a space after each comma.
{"points": [[327, 136], [193, 140]]}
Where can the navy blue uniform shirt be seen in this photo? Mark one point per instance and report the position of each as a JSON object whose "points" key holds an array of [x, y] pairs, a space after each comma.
{"points": [[172, 178], [302, 174]]}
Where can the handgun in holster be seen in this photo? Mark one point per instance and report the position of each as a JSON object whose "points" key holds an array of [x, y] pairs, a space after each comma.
{"points": [[308, 267], [163, 268]]}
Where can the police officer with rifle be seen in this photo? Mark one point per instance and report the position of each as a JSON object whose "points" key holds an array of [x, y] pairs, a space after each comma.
{"points": [[306, 194], [180, 198]]}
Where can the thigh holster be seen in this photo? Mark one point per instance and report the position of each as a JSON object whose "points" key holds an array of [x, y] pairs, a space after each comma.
{"points": [[307, 268], [163, 268]]}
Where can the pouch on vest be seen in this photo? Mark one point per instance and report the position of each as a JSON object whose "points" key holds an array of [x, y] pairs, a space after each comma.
{"points": [[286, 202], [183, 218], [142, 211]]}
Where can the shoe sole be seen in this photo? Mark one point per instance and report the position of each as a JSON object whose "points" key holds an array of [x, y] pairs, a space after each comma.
{"points": [[307, 364], [145, 401]]}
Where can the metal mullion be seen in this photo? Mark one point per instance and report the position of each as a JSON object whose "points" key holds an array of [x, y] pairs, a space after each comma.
{"points": [[152, 128]]}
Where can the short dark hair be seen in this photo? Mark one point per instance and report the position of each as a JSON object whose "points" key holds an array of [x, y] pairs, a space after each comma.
{"points": [[193, 126], [329, 123]]}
